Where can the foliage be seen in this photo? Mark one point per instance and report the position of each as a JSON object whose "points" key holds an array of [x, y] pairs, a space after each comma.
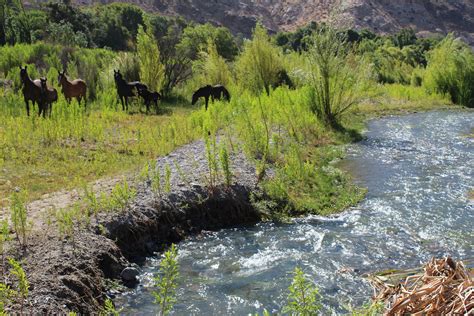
{"points": [[337, 77], [304, 298], [259, 63], [122, 195], [369, 309], [166, 281], [211, 68], [19, 213], [6, 294], [151, 69], [450, 71], [22, 282], [109, 309], [225, 165]]}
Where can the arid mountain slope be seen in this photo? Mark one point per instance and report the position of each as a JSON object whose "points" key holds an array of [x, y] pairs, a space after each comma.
{"points": [[426, 16]]}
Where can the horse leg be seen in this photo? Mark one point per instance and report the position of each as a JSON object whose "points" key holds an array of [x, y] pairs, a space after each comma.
{"points": [[123, 104], [27, 107], [156, 106], [207, 102]]}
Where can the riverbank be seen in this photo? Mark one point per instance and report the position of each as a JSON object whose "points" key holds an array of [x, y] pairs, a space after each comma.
{"points": [[70, 275]]}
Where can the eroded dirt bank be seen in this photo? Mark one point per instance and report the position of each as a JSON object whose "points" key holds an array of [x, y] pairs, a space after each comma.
{"points": [[72, 275]]}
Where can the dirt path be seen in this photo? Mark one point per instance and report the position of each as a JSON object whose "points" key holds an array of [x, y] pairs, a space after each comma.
{"points": [[40, 210]]}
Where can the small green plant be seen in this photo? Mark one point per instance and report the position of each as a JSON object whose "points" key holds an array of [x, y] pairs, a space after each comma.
{"points": [[92, 203], [212, 163], [156, 186], [369, 309], [122, 195], [6, 294], [225, 165], [167, 178], [167, 282], [19, 217], [65, 221], [304, 297], [109, 309], [22, 282], [4, 238]]}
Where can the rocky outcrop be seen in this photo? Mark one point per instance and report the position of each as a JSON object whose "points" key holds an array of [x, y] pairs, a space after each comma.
{"points": [[382, 16]]}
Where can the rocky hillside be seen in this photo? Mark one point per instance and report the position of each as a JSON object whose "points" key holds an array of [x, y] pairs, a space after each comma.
{"points": [[426, 16]]}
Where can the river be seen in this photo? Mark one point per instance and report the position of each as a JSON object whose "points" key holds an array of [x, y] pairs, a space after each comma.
{"points": [[418, 169]]}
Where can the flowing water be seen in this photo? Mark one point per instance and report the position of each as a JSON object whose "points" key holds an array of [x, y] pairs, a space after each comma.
{"points": [[418, 170]]}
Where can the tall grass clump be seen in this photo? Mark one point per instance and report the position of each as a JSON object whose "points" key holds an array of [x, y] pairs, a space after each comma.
{"points": [[450, 71], [337, 76], [211, 68]]}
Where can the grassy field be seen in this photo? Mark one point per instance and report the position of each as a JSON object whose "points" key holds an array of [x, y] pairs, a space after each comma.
{"points": [[76, 146]]}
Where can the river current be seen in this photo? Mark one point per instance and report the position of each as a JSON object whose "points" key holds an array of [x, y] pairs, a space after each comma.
{"points": [[418, 169]]}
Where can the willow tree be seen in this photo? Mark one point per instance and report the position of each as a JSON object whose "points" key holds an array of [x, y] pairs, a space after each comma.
{"points": [[211, 68], [260, 62], [151, 69], [338, 78]]}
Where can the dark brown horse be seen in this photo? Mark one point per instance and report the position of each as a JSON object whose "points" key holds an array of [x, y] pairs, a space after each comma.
{"points": [[149, 97], [216, 92], [48, 97], [126, 89], [31, 91], [72, 89]]}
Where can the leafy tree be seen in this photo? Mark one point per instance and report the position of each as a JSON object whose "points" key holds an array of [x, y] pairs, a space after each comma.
{"points": [[196, 37], [404, 38], [151, 69], [450, 71], [260, 62], [63, 34], [337, 77], [14, 23], [212, 68]]}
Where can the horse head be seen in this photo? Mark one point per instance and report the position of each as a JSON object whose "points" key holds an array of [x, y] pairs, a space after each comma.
{"points": [[195, 97], [23, 74], [44, 85], [61, 76]]}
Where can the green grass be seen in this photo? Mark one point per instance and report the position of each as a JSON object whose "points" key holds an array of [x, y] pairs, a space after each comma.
{"points": [[73, 146]]}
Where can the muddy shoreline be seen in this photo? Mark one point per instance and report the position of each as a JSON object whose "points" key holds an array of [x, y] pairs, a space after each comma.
{"points": [[76, 275]]}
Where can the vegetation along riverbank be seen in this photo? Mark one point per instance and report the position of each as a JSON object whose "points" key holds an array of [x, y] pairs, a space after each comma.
{"points": [[266, 153]]}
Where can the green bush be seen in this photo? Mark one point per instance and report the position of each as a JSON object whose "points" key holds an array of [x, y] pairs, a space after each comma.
{"points": [[450, 71]]}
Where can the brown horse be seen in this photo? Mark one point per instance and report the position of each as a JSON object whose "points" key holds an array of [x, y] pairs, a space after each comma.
{"points": [[216, 92], [72, 89], [48, 97], [31, 91]]}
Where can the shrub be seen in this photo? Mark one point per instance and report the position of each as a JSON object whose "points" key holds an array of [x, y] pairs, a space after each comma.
{"points": [[337, 77], [258, 65], [151, 69], [450, 71]]}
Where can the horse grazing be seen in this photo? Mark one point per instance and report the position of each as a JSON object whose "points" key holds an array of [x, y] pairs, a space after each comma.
{"points": [[125, 89], [149, 97], [72, 89], [48, 97], [31, 91], [216, 92]]}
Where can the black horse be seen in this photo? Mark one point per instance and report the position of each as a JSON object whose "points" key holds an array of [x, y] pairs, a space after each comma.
{"points": [[126, 89], [149, 97], [215, 92]]}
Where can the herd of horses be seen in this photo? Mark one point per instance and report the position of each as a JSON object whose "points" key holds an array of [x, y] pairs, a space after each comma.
{"points": [[38, 92]]}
